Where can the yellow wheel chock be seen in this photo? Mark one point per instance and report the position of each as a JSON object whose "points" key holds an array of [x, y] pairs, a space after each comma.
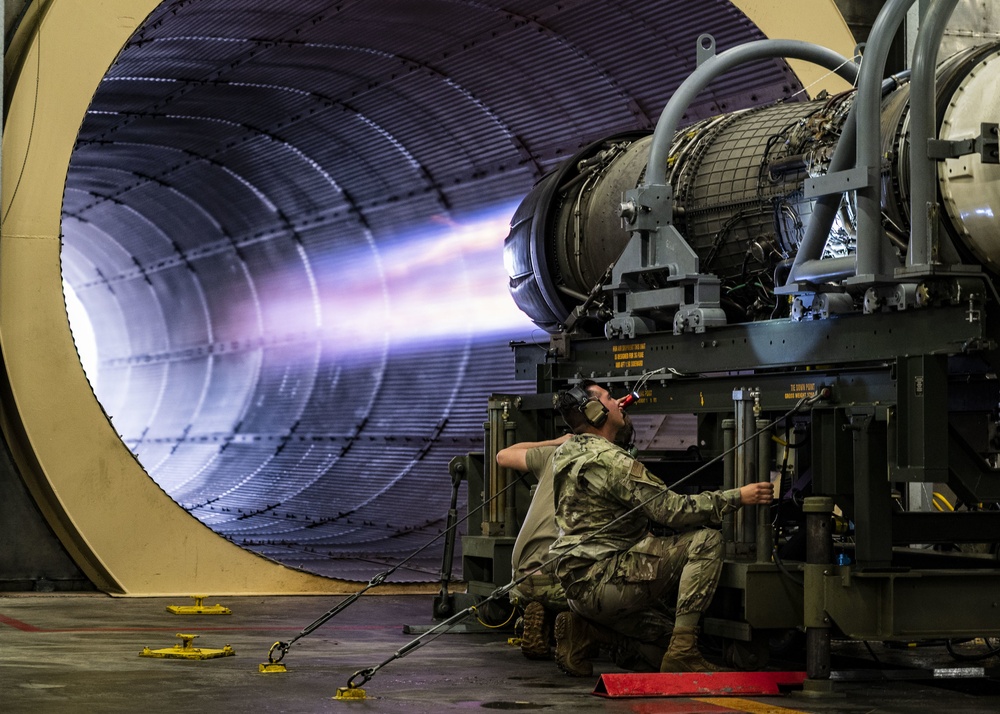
{"points": [[198, 608], [186, 650]]}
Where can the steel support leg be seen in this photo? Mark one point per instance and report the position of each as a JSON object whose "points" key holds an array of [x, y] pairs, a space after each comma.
{"points": [[728, 482], [819, 560], [872, 490], [765, 536], [745, 469]]}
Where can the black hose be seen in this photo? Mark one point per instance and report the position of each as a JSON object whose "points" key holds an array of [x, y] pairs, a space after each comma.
{"points": [[991, 652]]}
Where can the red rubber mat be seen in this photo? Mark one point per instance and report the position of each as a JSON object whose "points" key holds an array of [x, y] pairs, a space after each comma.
{"points": [[696, 684]]}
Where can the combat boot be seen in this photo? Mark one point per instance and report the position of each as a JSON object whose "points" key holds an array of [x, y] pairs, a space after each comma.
{"points": [[537, 632], [683, 656], [577, 641]]}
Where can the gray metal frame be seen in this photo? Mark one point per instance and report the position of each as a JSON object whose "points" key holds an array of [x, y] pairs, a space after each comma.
{"points": [[895, 386], [873, 425], [648, 210]]}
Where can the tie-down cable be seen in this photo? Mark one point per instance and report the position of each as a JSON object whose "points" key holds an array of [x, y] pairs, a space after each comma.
{"points": [[280, 649]]}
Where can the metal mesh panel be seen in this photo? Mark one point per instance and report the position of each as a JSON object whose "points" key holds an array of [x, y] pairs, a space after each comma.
{"points": [[730, 200]]}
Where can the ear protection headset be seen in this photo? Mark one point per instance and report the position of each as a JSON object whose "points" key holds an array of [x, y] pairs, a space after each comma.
{"points": [[593, 411]]}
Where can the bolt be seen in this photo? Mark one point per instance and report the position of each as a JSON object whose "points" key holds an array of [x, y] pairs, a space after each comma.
{"points": [[628, 210]]}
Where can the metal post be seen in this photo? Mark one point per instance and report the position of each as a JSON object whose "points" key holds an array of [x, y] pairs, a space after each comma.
{"points": [[728, 481], [745, 468], [508, 500], [444, 602], [923, 127], [869, 152], [807, 265], [489, 473], [497, 478], [819, 559], [872, 490], [765, 538]]}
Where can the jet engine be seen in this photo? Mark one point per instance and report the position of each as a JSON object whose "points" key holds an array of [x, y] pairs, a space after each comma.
{"points": [[739, 201]]}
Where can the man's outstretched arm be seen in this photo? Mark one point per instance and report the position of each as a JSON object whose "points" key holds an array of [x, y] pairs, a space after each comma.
{"points": [[514, 456]]}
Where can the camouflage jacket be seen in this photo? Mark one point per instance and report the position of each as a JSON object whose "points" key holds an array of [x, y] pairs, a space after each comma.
{"points": [[596, 482]]}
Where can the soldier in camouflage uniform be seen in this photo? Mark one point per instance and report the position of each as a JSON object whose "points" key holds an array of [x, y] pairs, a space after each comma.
{"points": [[614, 571], [540, 593]]}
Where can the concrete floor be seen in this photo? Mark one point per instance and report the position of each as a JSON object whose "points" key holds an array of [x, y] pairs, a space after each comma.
{"points": [[80, 653]]}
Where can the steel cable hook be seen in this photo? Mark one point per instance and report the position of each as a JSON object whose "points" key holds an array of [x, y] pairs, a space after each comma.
{"points": [[366, 675], [282, 646]]}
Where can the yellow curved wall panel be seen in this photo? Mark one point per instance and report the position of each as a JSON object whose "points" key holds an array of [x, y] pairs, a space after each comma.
{"points": [[817, 21], [124, 532]]}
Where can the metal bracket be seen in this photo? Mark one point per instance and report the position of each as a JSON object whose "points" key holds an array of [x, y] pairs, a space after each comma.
{"points": [[627, 327], [820, 306], [559, 345], [987, 145], [706, 48], [882, 297], [584, 307], [695, 318], [646, 208], [657, 246], [840, 181], [186, 650], [199, 608], [350, 694]]}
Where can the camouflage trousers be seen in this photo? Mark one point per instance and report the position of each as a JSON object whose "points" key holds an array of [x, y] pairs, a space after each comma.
{"points": [[629, 592], [539, 587]]}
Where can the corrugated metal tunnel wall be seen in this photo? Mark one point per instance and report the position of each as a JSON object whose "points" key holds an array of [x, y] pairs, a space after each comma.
{"points": [[282, 225]]}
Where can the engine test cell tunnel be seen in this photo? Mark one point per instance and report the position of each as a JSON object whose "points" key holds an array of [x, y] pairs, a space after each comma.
{"points": [[245, 204]]}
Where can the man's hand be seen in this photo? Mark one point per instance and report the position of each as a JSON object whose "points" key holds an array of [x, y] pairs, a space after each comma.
{"points": [[754, 493]]}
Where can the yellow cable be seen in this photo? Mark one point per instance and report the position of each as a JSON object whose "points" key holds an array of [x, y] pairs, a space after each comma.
{"points": [[944, 500], [493, 627]]}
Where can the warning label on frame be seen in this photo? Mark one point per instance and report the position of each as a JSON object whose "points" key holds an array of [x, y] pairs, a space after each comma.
{"points": [[631, 355], [797, 391]]}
